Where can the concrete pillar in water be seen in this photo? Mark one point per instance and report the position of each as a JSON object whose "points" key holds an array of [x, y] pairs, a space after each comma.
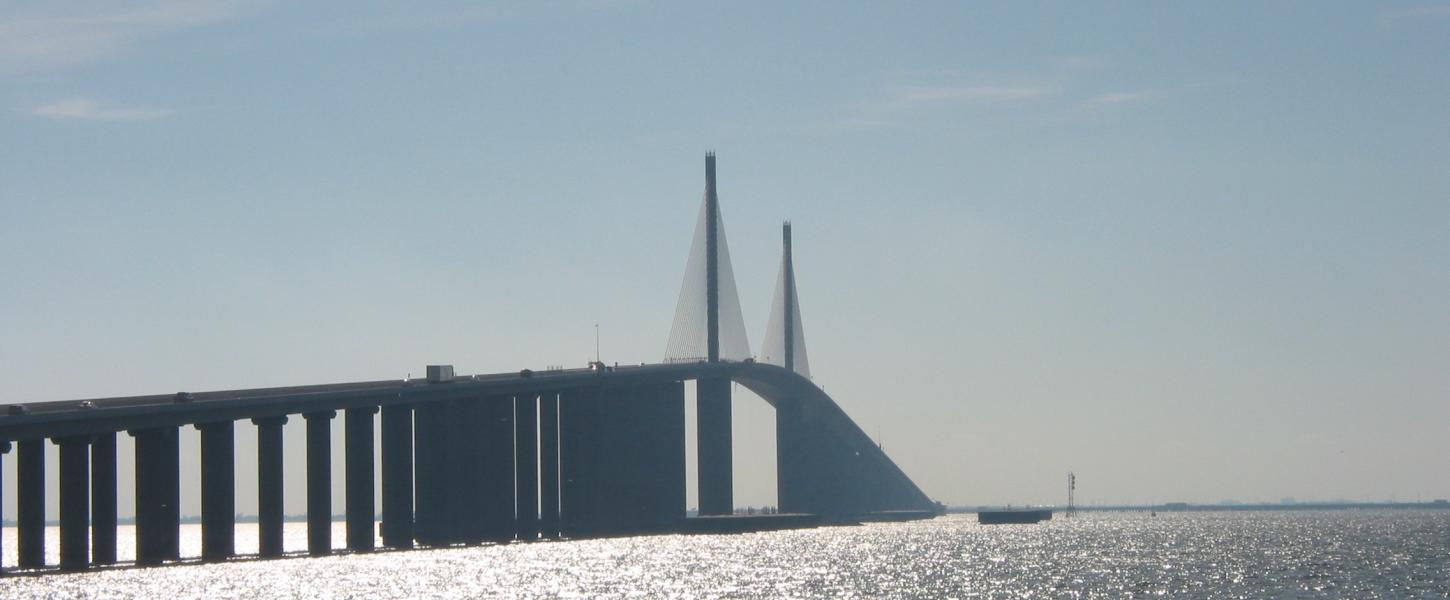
{"points": [[430, 472], [75, 502], [150, 548], [269, 485], [319, 481], [358, 429], [218, 490], [30, 503], [616, 484], [666, 435], [158, 495], [103, 498], [169, 482], [789, 473], [572, 467], [526, 464], [549, 465], [397, 476], [497, 495], [4, 449], [466, 500], [713, 437], [581, 463]]}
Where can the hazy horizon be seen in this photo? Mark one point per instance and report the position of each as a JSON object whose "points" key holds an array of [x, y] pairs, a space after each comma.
{"points": [[1188, 252]]}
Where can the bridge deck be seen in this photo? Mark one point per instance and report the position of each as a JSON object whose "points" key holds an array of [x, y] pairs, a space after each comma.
{"points": [[71, 417]]}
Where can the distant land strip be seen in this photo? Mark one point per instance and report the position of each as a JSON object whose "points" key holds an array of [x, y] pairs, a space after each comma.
{"points": [[1187, 506]]}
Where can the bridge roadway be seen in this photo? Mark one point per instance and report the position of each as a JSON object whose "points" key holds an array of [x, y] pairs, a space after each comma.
{"points": [[609, 459]]}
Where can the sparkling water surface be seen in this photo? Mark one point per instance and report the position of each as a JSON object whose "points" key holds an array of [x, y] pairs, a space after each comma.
{"points": [[1279, 554]]}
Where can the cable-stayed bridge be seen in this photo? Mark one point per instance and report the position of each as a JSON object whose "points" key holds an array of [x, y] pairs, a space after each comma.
{"points": [[470, 459]]}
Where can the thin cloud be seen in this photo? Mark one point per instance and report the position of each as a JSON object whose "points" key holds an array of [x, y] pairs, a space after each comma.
{"points": [[85, 109], [971, 93], [897, 102], [410, 19], [1116, 98], [1081, 63], [61, 34], [1426, 12]]}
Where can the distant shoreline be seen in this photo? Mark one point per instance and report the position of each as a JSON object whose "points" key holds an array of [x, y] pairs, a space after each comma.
{"points": [[1187, 507], [1168, 507]]}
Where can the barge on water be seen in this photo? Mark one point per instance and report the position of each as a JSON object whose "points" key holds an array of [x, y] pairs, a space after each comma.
{"points": [[1014, 515]]}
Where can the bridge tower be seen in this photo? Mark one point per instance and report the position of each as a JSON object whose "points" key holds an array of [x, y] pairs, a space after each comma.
{"points": [[712, 335], [713, 427], [712, 262], [785, 338], [796, 477]]}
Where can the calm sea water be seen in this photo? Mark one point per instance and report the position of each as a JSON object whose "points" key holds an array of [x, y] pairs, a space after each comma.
{"points": [[1285, 554]]}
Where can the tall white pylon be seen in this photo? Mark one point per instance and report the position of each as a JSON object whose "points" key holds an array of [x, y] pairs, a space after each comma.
{"points": [[690, 334], [785, 337]]}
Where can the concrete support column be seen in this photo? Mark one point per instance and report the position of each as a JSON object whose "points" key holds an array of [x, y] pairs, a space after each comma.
{"points": [[793, 478], [431, 459], [571, 463], [75, 502], [358, 446], [713, 436], [319, 482], [103, 498], [4, 449], [549, 465], [158, 495], [670, 437], [469, 463], [496, 494], [580, 462], [617, 491], [218, 490], [30, 503], [169, 482], [397, 475], [269, 485], [526, 464], [150, 549]]}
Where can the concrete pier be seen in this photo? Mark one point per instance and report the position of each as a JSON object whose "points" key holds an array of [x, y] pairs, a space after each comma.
{"points": [[30, 503], [616, 481], [218, 490], [668, 444], [4, 449], [576, 466], [786, 457], [526, 465], [75, 502], [169, 482], [269, 485], [497, 501], [103, 498], [467, 502], [319, 481], [358, 430], [713, 437], [585, 463], [397, 475], [150, 549], [431, 475], [549, 465]]}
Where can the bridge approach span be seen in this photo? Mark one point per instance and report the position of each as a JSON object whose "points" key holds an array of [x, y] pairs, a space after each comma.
{"points": [[461, 459]]}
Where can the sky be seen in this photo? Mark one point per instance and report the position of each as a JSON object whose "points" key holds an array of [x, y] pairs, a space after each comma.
{"points": [[1190, 252]]}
